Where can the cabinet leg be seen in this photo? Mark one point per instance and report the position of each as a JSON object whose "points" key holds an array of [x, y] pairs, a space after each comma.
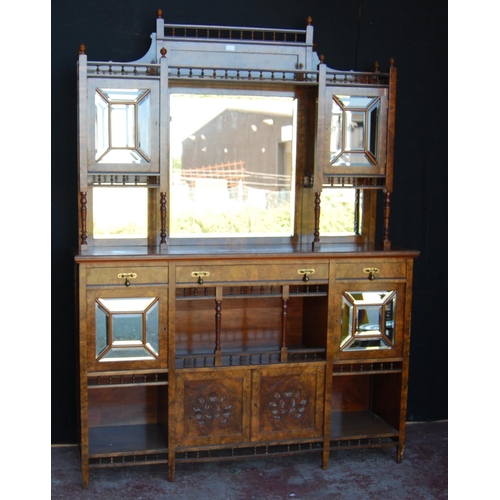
{"points": [[85, 475], [400, 451], [171, 467], [326, 456]]}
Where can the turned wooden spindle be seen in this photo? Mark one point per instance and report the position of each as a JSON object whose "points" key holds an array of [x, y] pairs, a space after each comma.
{"points": [[159, 14], [218, 315], [284, 312], [82, 49], [83, 213], [387, 212], [163, 212], [317, 213], [391, 130]]}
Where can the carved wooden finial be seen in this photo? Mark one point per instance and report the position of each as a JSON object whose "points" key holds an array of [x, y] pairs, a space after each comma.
{"points": [[159, 13], [391, 62], [322, 59], [82, 49], [163, 51], [376, 67], [309, 21]]}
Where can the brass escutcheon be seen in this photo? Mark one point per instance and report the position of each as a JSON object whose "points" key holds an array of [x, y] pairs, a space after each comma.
{"points": [[371, 271], [127, 277], [306, 273], [200, 275]]}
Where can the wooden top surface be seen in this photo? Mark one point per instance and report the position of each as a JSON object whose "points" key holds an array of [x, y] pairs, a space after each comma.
{"points": [[214, 252]]}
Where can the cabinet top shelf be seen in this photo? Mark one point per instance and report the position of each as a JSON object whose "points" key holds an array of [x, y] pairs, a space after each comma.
{"points": [[277, 252]]}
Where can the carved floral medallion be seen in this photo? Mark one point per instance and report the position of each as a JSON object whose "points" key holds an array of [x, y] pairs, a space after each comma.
{"points": [[212, 409]]}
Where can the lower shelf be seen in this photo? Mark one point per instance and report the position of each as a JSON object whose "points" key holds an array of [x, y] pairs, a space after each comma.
{"points": [[124, 444], [361, 429], [147, 444]]}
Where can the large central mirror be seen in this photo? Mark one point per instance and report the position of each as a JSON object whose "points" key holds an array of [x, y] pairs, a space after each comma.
{"points": [[232, 165]]}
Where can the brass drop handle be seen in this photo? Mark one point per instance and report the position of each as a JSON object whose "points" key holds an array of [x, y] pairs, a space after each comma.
{"points": [[200, 275], [127, 277], [305, 273], [371, 271]]}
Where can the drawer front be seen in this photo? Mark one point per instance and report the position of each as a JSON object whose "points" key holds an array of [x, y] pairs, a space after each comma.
{"points": [[127, 275], [200, 273], [371, 270]]}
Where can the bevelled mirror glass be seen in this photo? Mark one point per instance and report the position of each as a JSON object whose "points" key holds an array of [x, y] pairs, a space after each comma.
{"points": [[354, 127], [122, 128], [232, 165], [126, 328], [368, 320]]}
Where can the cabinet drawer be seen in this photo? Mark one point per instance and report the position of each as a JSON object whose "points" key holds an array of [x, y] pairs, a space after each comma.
{"points": [[251, 273], [371, 270], [137, 275]]}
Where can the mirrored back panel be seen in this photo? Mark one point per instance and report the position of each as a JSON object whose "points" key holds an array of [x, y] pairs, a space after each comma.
{"points": [[232, 164]]}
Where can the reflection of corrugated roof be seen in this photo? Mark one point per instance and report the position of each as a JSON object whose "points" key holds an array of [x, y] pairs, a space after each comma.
{"points": [[241, 111]]}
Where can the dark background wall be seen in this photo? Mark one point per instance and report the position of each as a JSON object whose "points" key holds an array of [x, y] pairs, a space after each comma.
{"points": [[352, 34]]}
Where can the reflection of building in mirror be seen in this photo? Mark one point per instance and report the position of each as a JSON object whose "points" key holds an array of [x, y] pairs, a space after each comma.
{"points": [[239, 161], [253, 148]]}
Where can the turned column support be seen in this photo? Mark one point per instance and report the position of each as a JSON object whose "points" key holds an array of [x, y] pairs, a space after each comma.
{"points": [[317, 212], [387, 212], [83, 214], [163, 212], [218, 317], [284, 313]]}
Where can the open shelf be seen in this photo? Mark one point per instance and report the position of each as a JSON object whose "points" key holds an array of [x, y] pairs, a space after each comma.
{"points": [[353, 425], [127, 440], [361, 429]]}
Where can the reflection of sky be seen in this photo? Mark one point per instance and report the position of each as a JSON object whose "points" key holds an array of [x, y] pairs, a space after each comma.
{"points": [[189, 112]]}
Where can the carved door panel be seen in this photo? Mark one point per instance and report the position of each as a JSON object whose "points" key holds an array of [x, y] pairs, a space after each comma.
{"points": [[288, 402], [213, 407]]}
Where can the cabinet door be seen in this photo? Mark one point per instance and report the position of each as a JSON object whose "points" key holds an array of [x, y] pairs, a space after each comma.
{"points": [[212, 407], [288, 402], [122, 131], [126, 328], [370, 320], [357, 120]]}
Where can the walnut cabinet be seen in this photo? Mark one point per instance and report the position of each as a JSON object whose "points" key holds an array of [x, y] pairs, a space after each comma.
{"points": [[232, 298]]}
